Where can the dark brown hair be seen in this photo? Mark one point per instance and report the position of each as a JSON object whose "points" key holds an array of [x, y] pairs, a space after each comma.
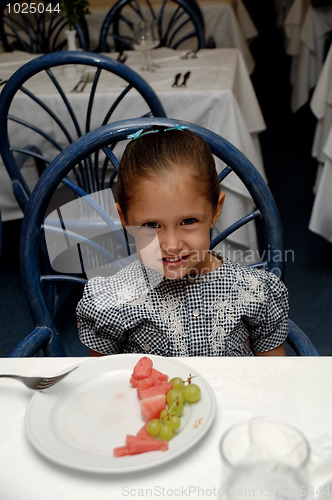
{"points": [[164, 151]]}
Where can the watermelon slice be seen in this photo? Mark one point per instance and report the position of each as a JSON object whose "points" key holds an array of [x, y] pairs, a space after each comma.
{"points": [[137, 445], [145, 383], [154, 379], [142, 369], [152, 406], [154, 390], [159, 375], [143, 433], [121, 451], [152, 386]]}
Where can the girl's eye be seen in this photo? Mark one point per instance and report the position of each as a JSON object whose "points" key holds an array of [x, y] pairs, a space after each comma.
{"points": [[188, 222], [151, 225]]}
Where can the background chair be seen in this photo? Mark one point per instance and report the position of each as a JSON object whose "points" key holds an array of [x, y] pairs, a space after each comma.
{"points": [[42, 111], [71, 242], [40, 115], [40, 32], [180, 24]]}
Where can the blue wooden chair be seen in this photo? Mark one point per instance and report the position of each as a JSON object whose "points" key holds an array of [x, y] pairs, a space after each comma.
{"points": [[66, 118], [182, 28], [60, 172], [38, 32]]}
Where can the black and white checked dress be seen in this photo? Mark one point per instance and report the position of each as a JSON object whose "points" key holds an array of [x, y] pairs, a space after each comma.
{"points": [[231, 311]]}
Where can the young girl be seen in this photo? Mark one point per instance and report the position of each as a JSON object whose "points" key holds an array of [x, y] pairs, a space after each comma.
{"points": [[179, 298]]}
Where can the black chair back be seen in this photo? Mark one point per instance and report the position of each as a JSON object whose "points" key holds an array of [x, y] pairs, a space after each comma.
{"points": [[38, 28]]}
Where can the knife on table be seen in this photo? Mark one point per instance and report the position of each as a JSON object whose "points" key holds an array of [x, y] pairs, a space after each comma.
{"points": [[176, 80], [185, 79]]}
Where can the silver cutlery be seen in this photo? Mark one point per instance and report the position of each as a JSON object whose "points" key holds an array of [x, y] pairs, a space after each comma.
{"points": [[185, 79], [122, 57], [81, 84], [87, 79], [176, 80], [191, 54], [39, 383], [75, 89]]}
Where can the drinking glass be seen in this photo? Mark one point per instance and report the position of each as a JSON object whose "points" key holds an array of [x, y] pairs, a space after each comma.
{"points": [[146, 38], [264, 458]]}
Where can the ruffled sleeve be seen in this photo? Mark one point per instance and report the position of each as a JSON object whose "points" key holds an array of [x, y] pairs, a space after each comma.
{"points": [[99, 321], [270, 328]]}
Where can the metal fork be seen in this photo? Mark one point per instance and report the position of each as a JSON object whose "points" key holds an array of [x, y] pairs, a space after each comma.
{"points": [[39, 383], [81, 84]]}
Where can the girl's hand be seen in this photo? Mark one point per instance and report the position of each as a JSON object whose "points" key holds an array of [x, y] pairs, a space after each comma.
{"points": [[93, 353], [277, 351]]}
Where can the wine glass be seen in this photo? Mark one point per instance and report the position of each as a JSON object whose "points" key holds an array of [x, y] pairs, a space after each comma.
{"points": [[146, 38]]}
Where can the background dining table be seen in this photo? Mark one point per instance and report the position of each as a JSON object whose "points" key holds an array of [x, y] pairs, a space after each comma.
{"points": [[227, 22], [321, 215], [306, 30], [321, 106], [295, 390], [218, 95]]}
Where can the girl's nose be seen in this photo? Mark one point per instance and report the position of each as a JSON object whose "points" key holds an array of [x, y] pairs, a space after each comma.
{"points": [[170, 242]]}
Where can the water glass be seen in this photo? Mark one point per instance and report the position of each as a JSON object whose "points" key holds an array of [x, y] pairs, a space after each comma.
{"points": [[264, 459]]}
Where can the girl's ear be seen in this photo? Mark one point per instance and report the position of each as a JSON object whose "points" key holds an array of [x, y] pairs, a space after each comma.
{"points": [[120, 214], [218, 209]]}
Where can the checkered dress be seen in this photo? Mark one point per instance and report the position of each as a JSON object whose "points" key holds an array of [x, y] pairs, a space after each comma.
{"points": [[231, 311]]}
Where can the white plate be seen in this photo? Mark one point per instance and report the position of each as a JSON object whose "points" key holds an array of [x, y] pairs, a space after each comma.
{"points": [[80, 420]]}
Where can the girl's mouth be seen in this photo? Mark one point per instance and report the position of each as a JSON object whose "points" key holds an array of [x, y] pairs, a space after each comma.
{"points": [[175, 261]]}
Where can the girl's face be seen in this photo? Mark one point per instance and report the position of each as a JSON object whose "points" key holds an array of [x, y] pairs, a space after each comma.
{"points": [[171, 221]]}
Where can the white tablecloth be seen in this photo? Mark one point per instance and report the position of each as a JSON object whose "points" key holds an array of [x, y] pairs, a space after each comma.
{"points": [[294, 390], [227, 21], [219, 96], [282, 8], [321, 106], [306, 28], [321, 216]]}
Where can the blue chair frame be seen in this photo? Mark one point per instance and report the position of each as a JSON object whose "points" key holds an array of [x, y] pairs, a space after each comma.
{"points": [[89, 175], [14, 156], [43, 31], [187, 15], [45, 336]]}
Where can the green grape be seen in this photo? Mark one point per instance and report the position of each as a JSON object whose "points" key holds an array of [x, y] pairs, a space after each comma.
{"points": [[174, 395], [175, 422], [164, 414], [177, 383], [192, 393], [153, 427], [166, 432], [178, 410]]}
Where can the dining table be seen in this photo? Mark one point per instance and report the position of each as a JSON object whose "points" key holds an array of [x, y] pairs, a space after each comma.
{"points": [[218, 95], [321, 106], [306, 30], [321, 214], [281, 8], [56, 443], [227, 24]]}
